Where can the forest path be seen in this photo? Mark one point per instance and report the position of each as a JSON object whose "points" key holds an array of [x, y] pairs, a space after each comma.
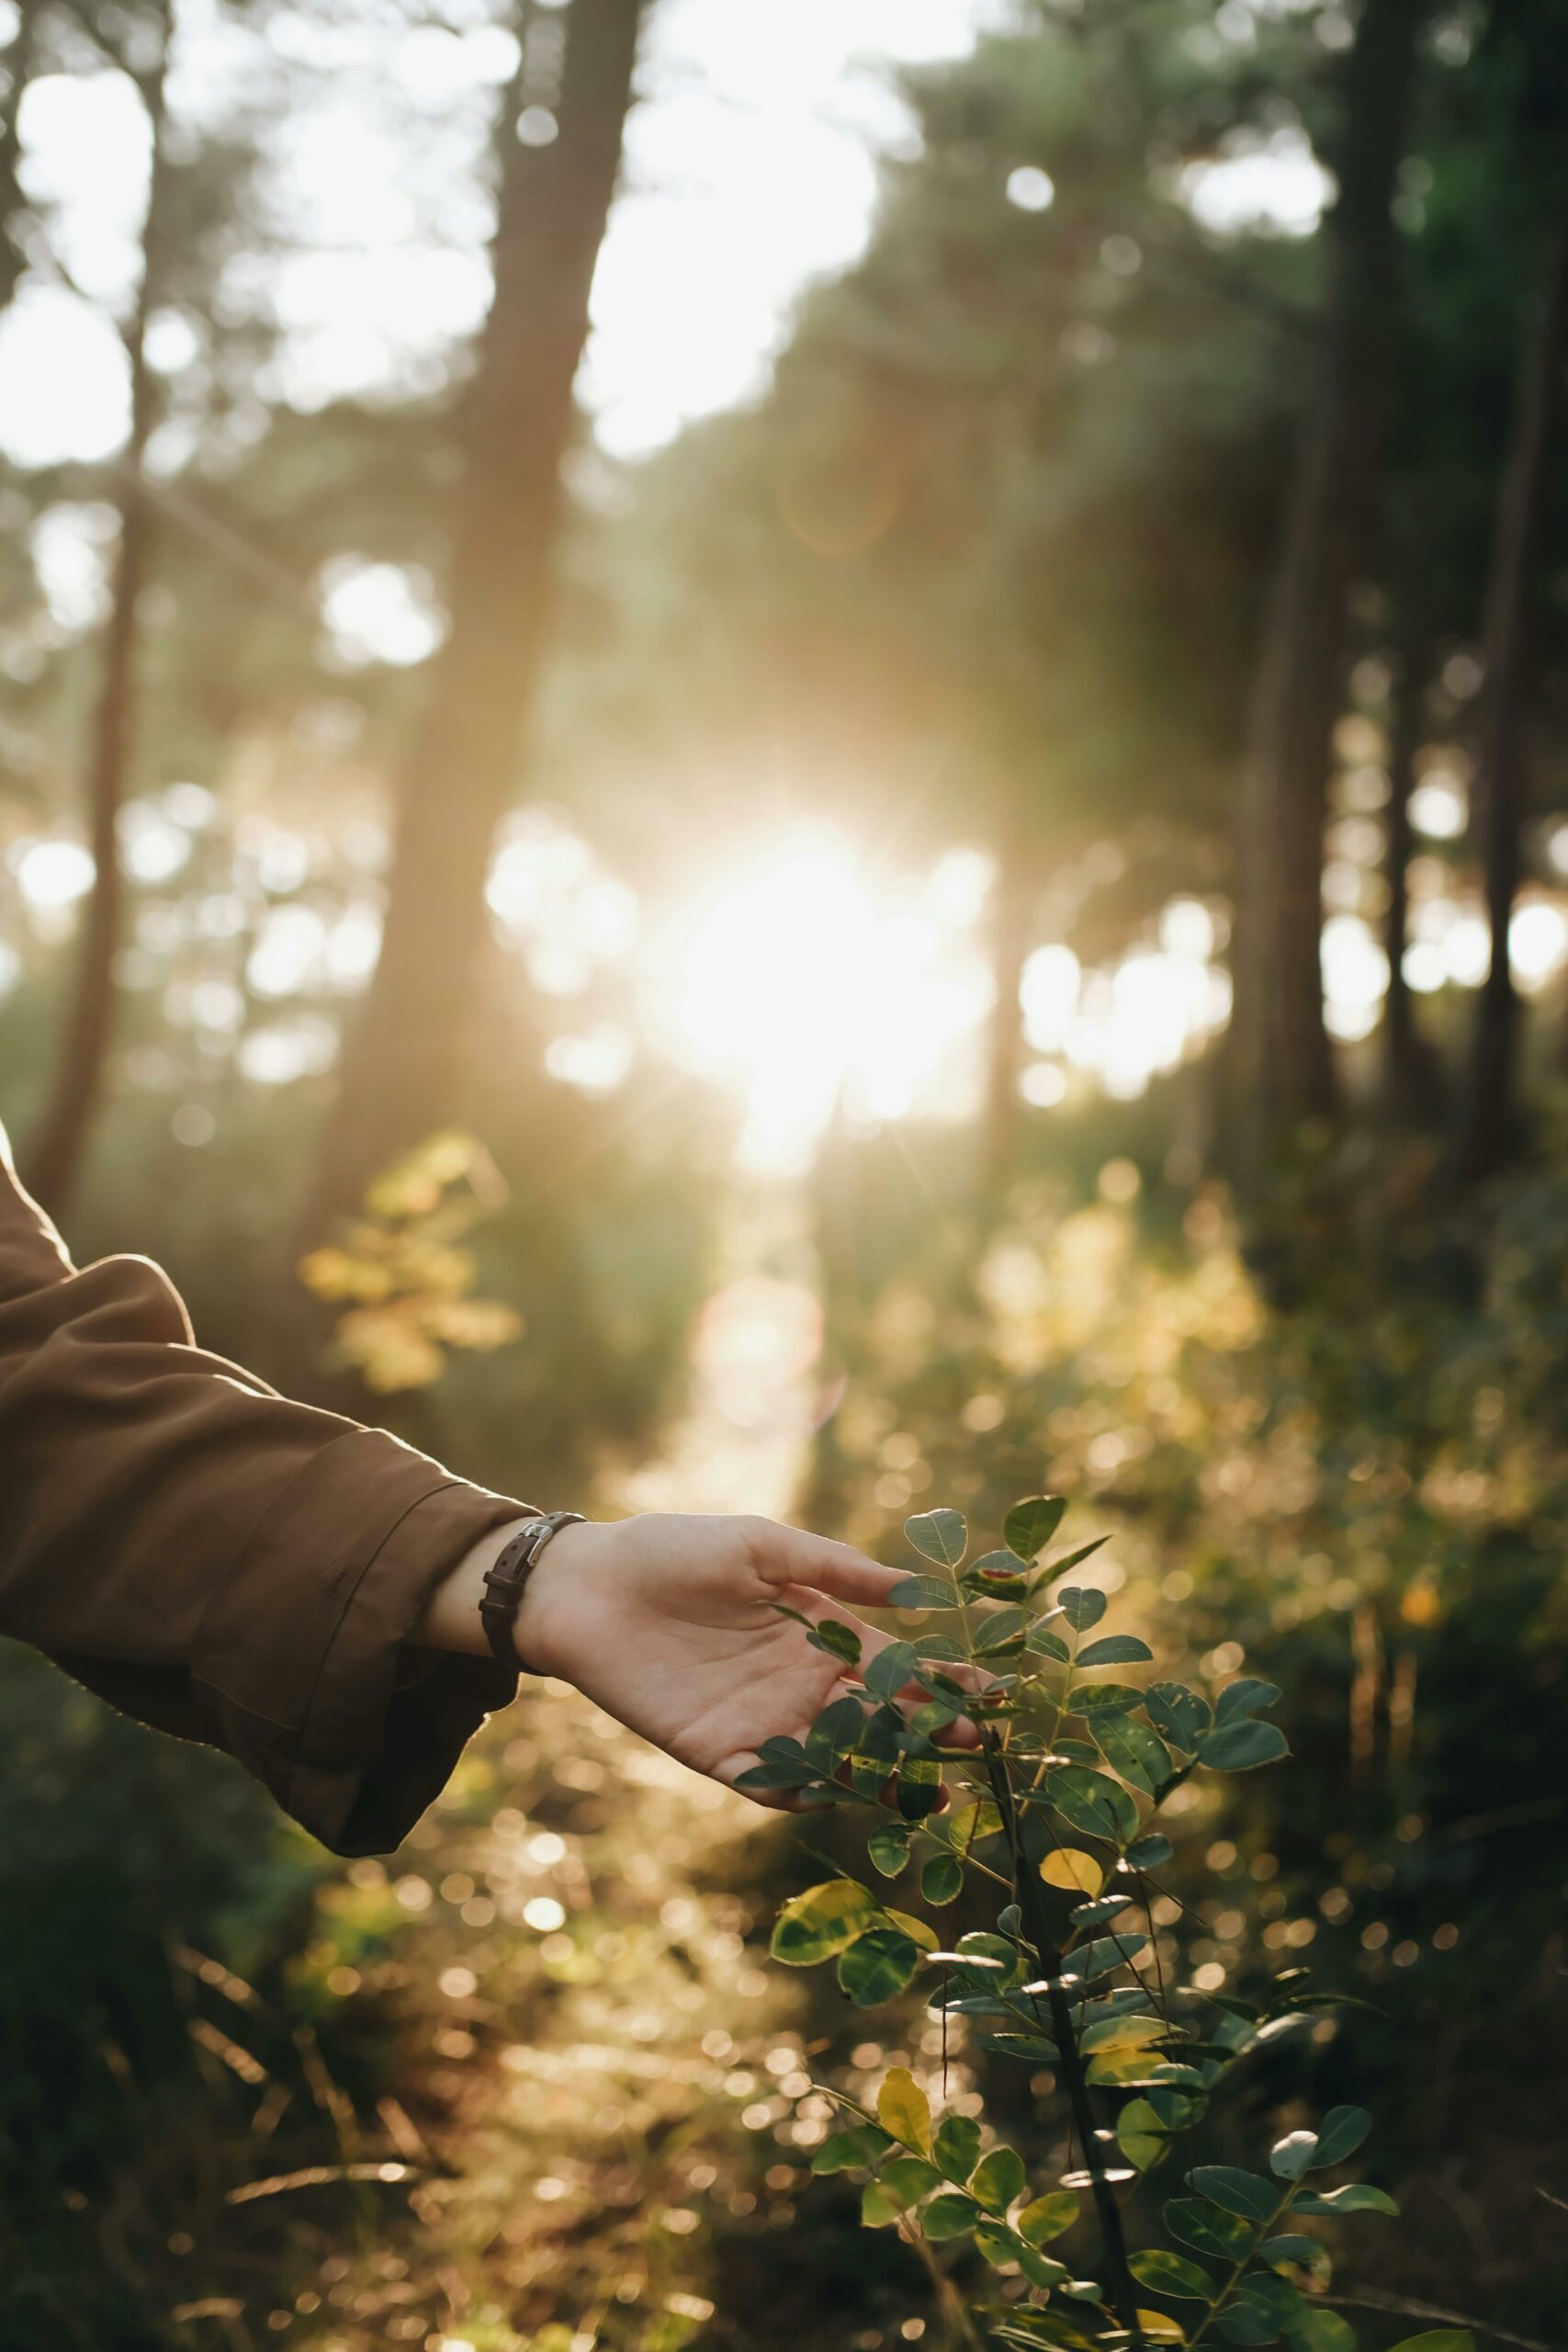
{"points": [[595, 2053]]}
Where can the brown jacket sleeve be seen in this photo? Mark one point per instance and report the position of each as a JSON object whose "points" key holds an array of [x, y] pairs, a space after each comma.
{"points": [[219, 1562]]}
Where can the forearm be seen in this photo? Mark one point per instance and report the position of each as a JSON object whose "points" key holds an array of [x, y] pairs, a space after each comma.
{"points": [[221, 1562]]}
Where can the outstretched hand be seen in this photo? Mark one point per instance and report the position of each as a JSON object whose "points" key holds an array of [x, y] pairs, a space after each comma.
{"points": [[668, 1622]]}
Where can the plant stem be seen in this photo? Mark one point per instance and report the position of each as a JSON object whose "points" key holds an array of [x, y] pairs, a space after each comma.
{"points": [[1027, 1891], [951, 2302], [1233, 2281]]}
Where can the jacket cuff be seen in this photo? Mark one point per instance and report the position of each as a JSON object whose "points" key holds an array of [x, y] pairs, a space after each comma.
{"points": [[360, 1542]]}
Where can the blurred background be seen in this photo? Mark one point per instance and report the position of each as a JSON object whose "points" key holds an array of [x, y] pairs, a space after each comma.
{"points": [[811, 758]]}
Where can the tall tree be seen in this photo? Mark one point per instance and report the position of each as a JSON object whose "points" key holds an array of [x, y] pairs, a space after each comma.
{"points": [[53, 1157], [1489, 1109], [1281, 1069], [1409, 1080], [1012, 920], [402, 1070]]}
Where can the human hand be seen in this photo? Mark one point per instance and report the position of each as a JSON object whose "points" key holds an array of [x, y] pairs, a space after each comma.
{"points": [[669, 1622]]}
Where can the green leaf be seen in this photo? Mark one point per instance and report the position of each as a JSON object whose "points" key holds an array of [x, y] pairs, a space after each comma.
{"points": [[1237, 1747], [1290, 2157], [908, 2179], [957, 2146], [940, 1648], [939, 1536], [877, 1965], [834, 1733], [862, 2143], [997, 2178], [1141, 2134], [1002, 1631], [1339, 2135], [1182, 1714], [1030, 2049], [1356, 2197], [1047, 2217], [1238, 2192], [878, 2208], [890, 1669], [1097, 1959], [1437, 2339], [786, 1767], [1103, 1698], [1316, 2329], [1048, 1645], [1169, 2274], [942, 1879], [923, 1592], [1082, 1605], [889, 1847], [1029, 1526], [997, 1572], [1248, 2322], [1091, 1803], [1135, 1751], [996, 2242], [1208, 2228], [876, 1751], [904, 2110], [1096, 1913], [1041, 2269], [979, 1948], [1054, 1568], [824, 1920], [1149, 1853], [1289, 2248], [920, 1790], [1116, 1650], [838, 1640], [949, 2216], [1245, 1696]]}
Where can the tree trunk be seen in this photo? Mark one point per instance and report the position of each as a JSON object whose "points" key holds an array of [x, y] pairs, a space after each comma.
{"points": [[1011, 944], [19, 68], [404, 1067], [1491, 1110], [1281, 1068], [53, 1160], [1408, 1079]]}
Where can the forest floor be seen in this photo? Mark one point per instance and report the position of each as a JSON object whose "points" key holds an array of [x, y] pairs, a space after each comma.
{"points": [[599, 2081]]}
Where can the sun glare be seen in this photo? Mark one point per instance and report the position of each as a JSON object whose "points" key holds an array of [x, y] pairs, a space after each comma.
{"points": [[803, 983]]}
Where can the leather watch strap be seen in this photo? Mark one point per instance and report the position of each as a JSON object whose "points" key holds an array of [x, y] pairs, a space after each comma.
{"points": [[508, 1575]]}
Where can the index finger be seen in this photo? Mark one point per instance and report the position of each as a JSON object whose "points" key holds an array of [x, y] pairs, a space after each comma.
{"points": [[791, 1557]]}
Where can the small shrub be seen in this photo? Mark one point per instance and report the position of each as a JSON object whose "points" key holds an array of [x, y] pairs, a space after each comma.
{"points": [[1056, 1813]]}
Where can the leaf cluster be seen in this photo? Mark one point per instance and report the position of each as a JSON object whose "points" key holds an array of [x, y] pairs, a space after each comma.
{"points": [[1055, 1812]]}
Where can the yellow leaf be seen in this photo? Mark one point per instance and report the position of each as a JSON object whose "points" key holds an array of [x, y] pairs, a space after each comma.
{"points": [[902, 2109], [1126, 2033], [1073, 1870], [918, 1930], [1160, 2328]]}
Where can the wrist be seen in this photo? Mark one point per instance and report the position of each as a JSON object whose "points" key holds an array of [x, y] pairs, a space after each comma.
{"points": [[542, 1630]]}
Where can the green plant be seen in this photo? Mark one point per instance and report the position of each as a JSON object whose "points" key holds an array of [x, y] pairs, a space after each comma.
{"points": [[1056, 1810]]}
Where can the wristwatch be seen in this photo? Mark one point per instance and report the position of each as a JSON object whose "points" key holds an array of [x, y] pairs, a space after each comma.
{"points": [[508, 1575]]}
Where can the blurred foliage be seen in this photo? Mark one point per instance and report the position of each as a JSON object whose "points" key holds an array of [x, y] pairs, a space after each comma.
{"points": [[404, 1283]]}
